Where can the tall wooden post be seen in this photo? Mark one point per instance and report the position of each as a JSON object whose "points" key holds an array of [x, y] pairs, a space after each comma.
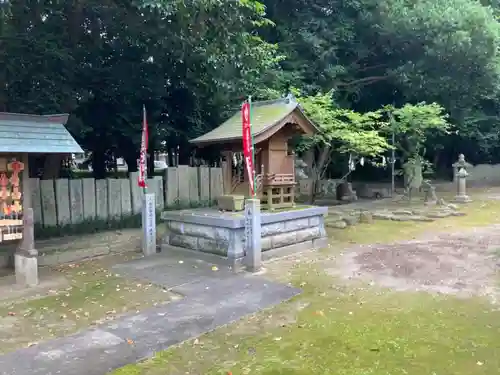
{"points": [[226, 172]]}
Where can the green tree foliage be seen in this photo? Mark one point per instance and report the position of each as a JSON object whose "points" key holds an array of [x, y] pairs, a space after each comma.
{"points": [[192, 61], [413, 124], [344, 130], [187, 61], [341, 131], [378, 52], [440, 49]]}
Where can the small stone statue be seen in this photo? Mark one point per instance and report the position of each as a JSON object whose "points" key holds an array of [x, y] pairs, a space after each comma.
{"points": [[300, 169], [430, 194]]}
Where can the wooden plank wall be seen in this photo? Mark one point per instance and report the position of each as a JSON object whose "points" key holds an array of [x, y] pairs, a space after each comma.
{"points": [[64, 201]]}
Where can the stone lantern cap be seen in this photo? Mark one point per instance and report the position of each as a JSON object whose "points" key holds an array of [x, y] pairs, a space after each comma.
{"points": [[461, 163]]}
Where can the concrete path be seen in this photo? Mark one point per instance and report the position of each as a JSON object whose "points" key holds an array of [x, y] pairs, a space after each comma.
{"points": [[211, 299]]}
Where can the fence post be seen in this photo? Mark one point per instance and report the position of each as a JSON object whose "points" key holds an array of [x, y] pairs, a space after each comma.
{"points": [[62, 201], [89, 198]]}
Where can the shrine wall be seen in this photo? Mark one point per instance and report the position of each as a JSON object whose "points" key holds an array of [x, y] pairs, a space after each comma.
{"points": [[483, 174], [63, 202]]}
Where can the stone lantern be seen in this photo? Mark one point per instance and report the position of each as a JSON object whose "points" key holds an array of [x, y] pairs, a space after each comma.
{"points": [[460, 177]]}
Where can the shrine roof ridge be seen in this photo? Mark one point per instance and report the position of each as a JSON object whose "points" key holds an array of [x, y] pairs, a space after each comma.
{"points": [[40, 134], [265, 115]]}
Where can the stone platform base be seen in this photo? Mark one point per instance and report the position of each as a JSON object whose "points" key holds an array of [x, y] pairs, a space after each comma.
{"points": [[462, 199], [26, 269], [222, 233]]}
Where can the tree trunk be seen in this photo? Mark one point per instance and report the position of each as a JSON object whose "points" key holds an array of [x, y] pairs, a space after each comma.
{"points": [[99, 164], [318, 170], [52, 166], [151, 164], [131, 160]]}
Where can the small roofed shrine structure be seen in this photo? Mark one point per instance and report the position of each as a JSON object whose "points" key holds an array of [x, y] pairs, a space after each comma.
{"points": [[274, 123], [22, 136]]}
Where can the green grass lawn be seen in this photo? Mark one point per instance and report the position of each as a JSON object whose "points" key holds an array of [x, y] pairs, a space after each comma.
{"points": [[333, 329], [93, 295]]}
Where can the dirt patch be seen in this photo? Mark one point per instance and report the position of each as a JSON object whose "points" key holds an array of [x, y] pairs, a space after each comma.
{"points": [[463, 264]]}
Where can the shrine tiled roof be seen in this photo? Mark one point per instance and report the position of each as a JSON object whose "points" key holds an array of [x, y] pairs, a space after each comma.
{"points": [[36, 134], [265, 114]]}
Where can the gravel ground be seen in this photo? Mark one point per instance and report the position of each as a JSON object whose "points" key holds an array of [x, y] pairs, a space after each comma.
{"points": [[462, 264]]}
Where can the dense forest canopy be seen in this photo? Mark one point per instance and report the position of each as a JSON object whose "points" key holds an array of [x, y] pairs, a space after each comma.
{"points": [[193, 61]]}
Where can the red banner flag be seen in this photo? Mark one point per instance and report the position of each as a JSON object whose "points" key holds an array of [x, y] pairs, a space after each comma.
{"points": [[144, 149], [247, 143]]}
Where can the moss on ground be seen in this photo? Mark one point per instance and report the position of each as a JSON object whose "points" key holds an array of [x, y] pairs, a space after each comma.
{"points": [[332, 329], [347, 332]]}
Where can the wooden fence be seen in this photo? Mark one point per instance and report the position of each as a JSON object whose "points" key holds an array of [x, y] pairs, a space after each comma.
{"points": [[62, 201]]}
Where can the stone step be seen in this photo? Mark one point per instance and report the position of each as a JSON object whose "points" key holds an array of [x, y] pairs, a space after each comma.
{"points": [[341, 224]]}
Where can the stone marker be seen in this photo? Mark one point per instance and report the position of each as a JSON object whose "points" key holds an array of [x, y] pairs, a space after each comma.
{"points": [[461, 196], [253, 250], [148, 224], [26, 257]]}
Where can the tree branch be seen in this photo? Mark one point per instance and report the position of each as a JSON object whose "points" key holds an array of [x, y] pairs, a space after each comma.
{"points": [[363, 81], [369, 67]]}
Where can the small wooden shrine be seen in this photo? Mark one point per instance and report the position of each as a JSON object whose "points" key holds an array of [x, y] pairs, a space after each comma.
{"points": [[274, 123], [22, 136]]}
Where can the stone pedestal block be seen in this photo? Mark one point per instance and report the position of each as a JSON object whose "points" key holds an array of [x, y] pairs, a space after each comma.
{"points": [[223, 233], [26, 269], [462, 196]]}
